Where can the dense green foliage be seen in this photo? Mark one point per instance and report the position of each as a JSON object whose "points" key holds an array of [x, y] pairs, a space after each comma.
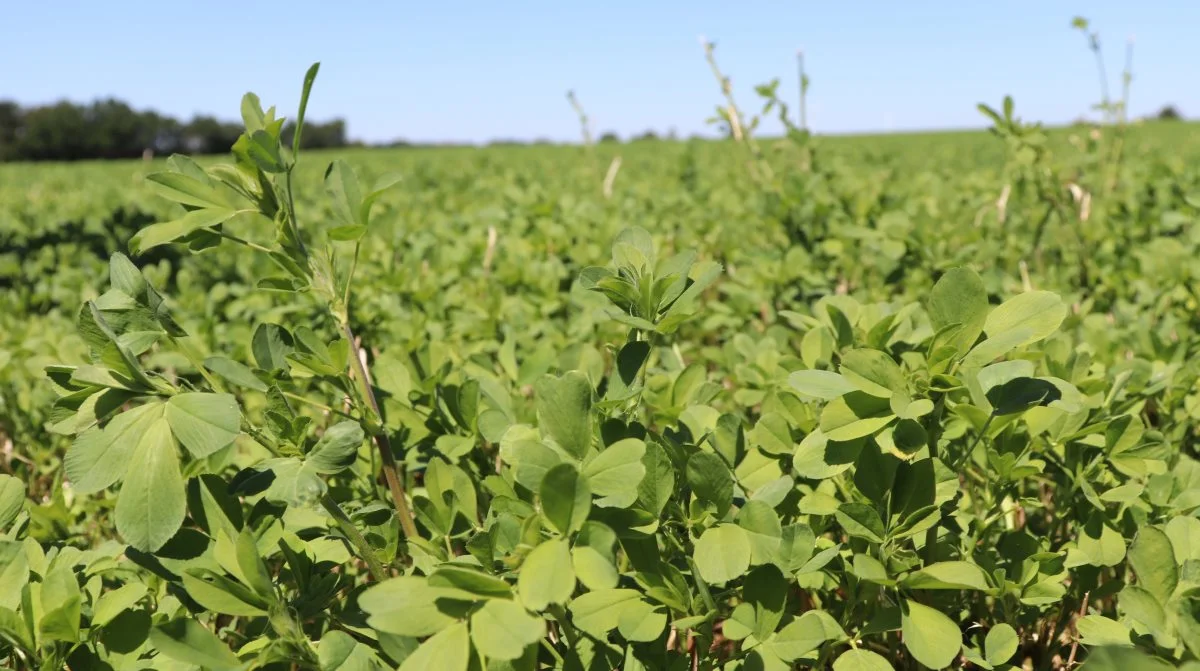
{"points": [[110, 128], [858, 403]]}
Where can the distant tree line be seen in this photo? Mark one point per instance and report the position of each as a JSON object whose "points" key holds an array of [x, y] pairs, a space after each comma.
{"points": [[110, 128]]}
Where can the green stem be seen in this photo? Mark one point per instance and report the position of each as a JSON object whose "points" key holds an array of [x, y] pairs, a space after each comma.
{"points": [[962, 460], [560, 616], [350, 276], [366, 553], [242, 241], [705, 595], [194, 359], [317, 404], [291, 205]]}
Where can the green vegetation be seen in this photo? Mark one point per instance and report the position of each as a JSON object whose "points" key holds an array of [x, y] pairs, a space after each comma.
{"points": [[107, 129], [850, 403]]}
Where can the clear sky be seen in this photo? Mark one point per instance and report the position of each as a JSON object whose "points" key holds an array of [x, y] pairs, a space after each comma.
{"points": [[474, 71]]}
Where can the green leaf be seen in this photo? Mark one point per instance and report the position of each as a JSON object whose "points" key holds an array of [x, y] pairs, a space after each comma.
{"points": [[593, 569], [160, 234], [817, 457], [564, 411], [203, 422], [448, 650], [873, 372], [909, 436], [532, 460], [1001, 644], [858, 659], [337, 449], [870, 569], [822, 384], [1184, 533], [114, 602], [1099, 630], [861, 521], [1187, 621], [1152, 558], [233, 372], [342, 185], [855, 415], [220, 594], [772, 434], [253, 570], [933, 639], [566, 498], [62, 600], [189, 190], [804, 635], [1035, 314], [959, 297], [291, 482], [470, 580], [409, 606], [623, 382], [347, 233], [948, 575], [263, 148], [381, 186], [99, 457], [12, 499], [763, 529], [14, 573], [1100, 544], [765, 590], [1127, 658], [722, 553], [339, 651], [152, 503], [503, 629], [1020, 394], [1137, 604], [615, 473], [640, 621], [599, 612], [657, 486], [547, 576], [711, 481], [271, 345], [305, 90], [186, 640]]}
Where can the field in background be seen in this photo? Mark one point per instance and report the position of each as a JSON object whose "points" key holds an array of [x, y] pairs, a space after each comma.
{"points": [[898, 209], [470, 270]]}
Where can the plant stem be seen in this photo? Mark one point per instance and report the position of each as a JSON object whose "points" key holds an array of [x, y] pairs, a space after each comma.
{"points": [[194, 359], [803, 90], [560, 615], [391, 471], [350, 275], [376, 569], [958, 465], [242, 241], [583, 119], [291, 206], [317, 404]]}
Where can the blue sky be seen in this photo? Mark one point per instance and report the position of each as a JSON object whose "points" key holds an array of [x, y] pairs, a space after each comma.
{"points": [[473, 71]]}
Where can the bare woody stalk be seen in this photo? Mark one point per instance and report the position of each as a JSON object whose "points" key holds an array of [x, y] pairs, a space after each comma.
{"points": [[391, 470], [759, 169], [584, 126], [803, 90], [611, 176], [1123, 119]]}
